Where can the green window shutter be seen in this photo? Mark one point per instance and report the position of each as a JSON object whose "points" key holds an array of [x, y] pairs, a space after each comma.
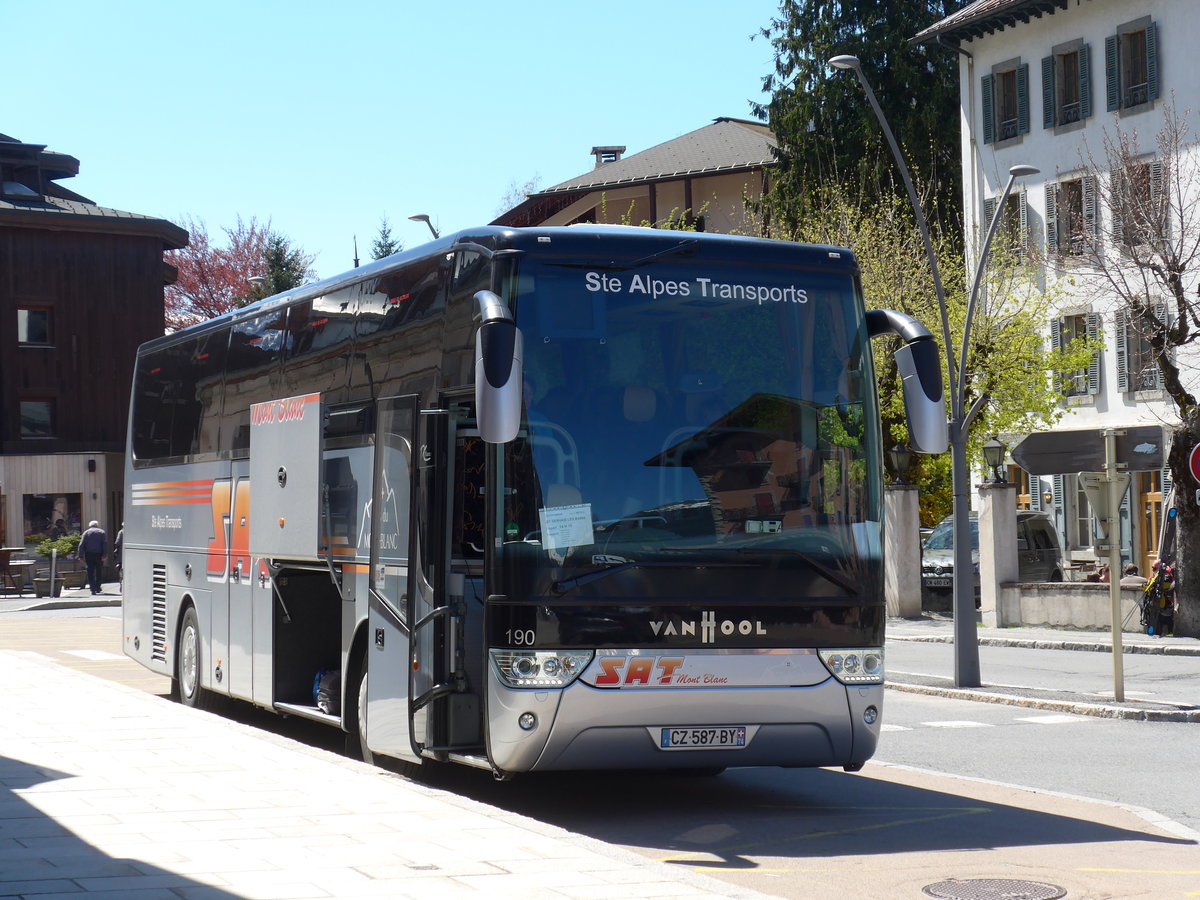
{"points": [[1118, 226], [1023, 98], [1160, 313], [1024, 242], [988, 107], [1091, 219], [1051, 217], [1035, 493], [1093, 369], [1049, 113], [989, 210], [1085, 81], [1158, 199], [1112, 74], [1152, 60], [1056, 333], [1122, 342]]}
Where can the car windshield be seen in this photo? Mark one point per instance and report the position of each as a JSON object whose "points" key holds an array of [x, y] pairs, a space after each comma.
{"points": [[943, 536], [682, 414]]}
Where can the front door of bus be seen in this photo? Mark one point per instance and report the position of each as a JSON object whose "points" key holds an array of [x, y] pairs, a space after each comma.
{"points": [[387, 519]]}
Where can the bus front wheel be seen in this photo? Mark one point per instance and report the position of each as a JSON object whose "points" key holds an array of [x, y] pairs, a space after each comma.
{"points": [[188, 662]]}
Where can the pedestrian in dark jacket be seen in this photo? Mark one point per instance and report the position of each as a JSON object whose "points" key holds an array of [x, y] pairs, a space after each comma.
{"points": [[93, 546]]}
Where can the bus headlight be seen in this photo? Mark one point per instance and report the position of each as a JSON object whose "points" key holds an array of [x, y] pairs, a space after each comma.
{"points": [[860, 665], [540, 668]]}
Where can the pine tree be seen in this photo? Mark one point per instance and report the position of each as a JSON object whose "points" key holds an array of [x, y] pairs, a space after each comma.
{"points": [[826, 129], [385, 244]]}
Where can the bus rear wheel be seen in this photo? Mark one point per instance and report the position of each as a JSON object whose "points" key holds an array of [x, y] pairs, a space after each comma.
{"points": [[189, 664]]}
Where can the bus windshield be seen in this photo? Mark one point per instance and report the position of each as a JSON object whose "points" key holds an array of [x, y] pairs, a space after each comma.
{"points": [[689, 424]]}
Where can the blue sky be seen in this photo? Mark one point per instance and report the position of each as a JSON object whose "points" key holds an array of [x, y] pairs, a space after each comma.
{"points": [[325, 117]]}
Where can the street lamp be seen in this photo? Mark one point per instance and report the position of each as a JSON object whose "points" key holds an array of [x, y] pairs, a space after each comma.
{"points": [[966, 638], [993, 457], [421, 217], [899, 457]]}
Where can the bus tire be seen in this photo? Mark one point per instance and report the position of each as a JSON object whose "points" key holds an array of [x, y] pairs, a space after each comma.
{"points": [[356, 737], [189, 664]]}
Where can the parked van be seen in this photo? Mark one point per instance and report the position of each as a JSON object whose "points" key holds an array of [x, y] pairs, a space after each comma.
{"points": [[1039, 555]]}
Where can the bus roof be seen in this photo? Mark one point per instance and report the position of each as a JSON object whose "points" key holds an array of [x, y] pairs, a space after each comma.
{"points": [[617, 242]]}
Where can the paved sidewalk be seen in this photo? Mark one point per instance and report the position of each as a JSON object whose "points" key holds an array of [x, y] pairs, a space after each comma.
{"points": [[940, 629], [109, 792]]}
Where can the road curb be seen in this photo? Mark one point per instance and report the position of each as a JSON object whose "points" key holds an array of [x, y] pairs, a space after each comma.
{"points": [[1041, 644], [1098, 710]]}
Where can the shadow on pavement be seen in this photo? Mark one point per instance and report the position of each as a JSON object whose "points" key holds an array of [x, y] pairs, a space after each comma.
{"points": [[799, 814], [38, 855]]}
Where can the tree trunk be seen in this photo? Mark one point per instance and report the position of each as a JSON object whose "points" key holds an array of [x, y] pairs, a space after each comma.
{"points": [[1187, 535]]}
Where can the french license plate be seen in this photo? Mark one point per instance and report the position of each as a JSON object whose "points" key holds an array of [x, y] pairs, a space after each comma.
{"points": [[726, 737], [939, 582]]}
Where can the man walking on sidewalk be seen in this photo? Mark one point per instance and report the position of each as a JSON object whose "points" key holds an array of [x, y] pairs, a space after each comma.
{"points": [[93, 545]]}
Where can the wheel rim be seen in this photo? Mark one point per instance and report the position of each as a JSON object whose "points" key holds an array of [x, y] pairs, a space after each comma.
{"points": [[362, 712], [188, 661]]}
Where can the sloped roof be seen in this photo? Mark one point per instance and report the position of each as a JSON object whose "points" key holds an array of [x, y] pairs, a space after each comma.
{"points": [[725, 145], [63, 209], [986, 17]]}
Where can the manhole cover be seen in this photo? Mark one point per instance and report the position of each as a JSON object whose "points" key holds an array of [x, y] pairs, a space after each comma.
{"points": [[994, 889]]}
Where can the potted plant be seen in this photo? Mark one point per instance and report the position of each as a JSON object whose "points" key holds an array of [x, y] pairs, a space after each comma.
{"points": [[68, 552]]}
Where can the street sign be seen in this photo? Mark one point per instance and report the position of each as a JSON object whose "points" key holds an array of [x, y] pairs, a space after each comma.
{"points": [[1095, 488], [1140, 448], [1194, 462]]}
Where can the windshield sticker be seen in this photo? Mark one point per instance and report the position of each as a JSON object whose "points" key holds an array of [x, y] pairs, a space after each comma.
{"points": [[566, 526], [602, 282]]}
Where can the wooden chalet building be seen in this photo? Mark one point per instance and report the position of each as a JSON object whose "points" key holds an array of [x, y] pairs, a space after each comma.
{"points": [[81, 286]]}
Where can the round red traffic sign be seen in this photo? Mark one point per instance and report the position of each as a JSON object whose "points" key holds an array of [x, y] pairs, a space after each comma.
{"points": [[1194, 462]]}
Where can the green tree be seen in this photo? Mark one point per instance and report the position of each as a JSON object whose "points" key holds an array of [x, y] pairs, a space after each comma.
{"points": [[385, 244], [826, 129], [1005, 346], [287, 267]]}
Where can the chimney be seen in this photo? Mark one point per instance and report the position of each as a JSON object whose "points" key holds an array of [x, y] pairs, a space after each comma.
{"points": [[606, 154]]}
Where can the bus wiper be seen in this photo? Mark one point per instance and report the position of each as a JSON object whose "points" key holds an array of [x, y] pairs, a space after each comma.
{"points": [[824, 571], [569, 584]]}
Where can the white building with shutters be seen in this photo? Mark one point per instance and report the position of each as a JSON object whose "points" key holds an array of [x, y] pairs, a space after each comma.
{"points": [[1041, 81]]}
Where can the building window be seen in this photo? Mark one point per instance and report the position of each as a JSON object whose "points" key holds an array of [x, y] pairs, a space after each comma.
{"points": [[1012, 231], [44, 512], [1071, 221], [1131, 65], [1067, 85], [1137, 363], [33, 325], [1083, 327], [37, 418], [1006, 102], [1140, 205]]}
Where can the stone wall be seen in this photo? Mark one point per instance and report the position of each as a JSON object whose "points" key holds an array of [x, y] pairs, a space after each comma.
{"points": [[1083, 606]]}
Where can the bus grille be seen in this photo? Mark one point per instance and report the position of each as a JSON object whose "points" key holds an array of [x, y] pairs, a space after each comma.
{"points": [[158, 615]]}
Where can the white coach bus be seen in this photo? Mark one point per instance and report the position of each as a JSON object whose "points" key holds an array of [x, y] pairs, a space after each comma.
{"points": [[531, 499]]}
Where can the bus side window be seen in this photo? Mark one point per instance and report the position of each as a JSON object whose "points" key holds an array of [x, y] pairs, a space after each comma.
{"points": [[175, 410], [319, 332], [251, 375]]}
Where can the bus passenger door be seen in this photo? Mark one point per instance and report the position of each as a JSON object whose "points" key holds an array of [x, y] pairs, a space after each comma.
{"points": [[386, 519], [430, 610]]}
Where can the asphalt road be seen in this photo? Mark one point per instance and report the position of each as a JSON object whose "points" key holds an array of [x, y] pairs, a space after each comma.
{"points": [[945, 800]]}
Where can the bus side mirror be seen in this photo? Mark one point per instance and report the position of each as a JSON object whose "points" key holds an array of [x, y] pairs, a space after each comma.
{"points": [[499, 352], [920, 369]]}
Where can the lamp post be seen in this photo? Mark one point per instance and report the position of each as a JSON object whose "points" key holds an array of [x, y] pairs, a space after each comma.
{"points": [[966, 639], [421, 217]]}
